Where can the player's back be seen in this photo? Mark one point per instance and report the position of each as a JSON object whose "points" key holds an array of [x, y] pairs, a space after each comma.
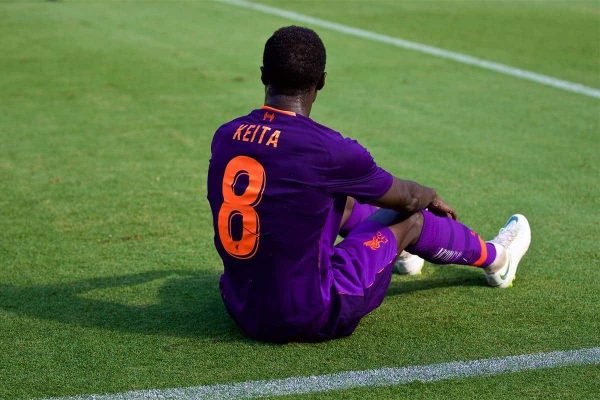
{"points": [[274, 221]]}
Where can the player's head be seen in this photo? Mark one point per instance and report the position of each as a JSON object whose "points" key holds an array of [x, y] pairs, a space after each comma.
{"points": [[293, 61]]}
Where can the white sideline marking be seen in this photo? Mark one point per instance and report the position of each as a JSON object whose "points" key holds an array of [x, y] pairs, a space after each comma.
{"points": [[353, 379], [434, 51]]}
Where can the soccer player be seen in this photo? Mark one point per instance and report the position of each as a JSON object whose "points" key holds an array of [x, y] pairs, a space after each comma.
{"points": [[282, 187]]}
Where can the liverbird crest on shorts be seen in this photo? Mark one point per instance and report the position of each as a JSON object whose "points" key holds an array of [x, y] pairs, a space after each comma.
{"points": [[376, 242]]}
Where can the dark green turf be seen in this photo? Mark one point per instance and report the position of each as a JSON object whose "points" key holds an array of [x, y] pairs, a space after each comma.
{"points": [[108, 277]]}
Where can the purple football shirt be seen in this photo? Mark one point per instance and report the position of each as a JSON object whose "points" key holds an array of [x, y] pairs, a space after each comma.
{"points": [[277, 187]]}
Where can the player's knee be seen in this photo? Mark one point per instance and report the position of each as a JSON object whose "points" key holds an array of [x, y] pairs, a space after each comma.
{"points": [[409, 230], [350, 202], [349, 205], [416, 226]]}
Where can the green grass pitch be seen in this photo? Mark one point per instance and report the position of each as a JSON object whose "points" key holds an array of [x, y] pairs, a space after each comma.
{"points": [[108, 276]]}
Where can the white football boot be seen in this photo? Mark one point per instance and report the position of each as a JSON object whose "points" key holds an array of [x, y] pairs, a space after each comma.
{"points": [[408, 264], [514, 237]]}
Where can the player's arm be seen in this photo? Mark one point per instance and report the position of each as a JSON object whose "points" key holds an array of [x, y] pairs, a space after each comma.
{"points": [[353, 172], [409, 197]]}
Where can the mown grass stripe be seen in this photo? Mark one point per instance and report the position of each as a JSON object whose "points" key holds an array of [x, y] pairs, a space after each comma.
{"points": [[434, 51], [368, 378]]}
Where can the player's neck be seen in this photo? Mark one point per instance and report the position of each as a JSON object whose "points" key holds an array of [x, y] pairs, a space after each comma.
{"points": [[300, 104]]}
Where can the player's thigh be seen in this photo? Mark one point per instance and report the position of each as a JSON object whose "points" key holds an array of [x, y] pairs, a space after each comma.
{"points": [[354, 214], [362, 256], [362, 270]]}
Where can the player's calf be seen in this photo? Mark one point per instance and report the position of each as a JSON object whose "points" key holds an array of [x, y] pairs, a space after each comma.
{"points": [[446, 241]]}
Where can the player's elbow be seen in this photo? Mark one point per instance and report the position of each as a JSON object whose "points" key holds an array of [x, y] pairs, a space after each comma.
{"points": [[417, 197], [405, 196], [412, 205]]}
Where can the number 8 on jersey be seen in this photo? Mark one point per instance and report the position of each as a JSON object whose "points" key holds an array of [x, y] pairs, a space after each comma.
{"points": [[236, 205]]}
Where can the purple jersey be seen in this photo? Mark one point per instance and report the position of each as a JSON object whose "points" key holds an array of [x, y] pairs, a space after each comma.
{"points": [[277, 187]]}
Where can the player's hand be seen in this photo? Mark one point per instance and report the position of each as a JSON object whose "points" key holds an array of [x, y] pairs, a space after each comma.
{"points": [[439, 207]]}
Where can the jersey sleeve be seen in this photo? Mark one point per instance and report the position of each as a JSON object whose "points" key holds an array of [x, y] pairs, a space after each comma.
{"points": [[353, 172]]}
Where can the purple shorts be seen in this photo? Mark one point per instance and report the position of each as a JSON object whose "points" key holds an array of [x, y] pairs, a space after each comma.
{"points": [[362, 270]]}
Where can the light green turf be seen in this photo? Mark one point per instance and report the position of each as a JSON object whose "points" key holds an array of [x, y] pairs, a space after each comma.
{"points": [[561, 383], [560, 38], [108, 277]]}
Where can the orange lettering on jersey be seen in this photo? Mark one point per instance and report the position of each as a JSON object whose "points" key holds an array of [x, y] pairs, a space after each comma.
{"points": [[254, 133], [238, 134], [273, 139], [248, 130], [376, 242], [250, 133], [262, 134], [270, 116]]}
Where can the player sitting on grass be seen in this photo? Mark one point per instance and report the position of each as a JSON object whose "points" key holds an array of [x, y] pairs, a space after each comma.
{"points": [[282, 187]]}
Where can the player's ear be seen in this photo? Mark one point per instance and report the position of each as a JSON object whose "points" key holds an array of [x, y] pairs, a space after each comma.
{"points": [[264, 77], [321, 82]]}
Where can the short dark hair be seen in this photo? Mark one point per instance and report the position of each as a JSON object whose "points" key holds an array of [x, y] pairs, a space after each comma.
{"points": [[293, 60]]}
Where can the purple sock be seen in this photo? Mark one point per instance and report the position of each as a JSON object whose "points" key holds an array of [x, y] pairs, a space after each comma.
{"points": [[446, 241], [359, 213]]}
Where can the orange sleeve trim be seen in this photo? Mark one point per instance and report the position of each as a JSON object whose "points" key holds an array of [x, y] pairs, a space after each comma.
{"points": [[483, 257], [293, 114]]}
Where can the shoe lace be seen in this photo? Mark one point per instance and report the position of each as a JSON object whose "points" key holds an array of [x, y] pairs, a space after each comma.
{"points": [[506, 235]]}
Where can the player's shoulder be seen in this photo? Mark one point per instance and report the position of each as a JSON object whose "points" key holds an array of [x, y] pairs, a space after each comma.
{"points": [[322, 130], [331, 140], [336, 139], [343, 149]]}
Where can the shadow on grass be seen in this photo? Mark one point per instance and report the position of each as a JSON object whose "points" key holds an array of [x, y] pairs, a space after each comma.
{"points": [[442, 277], [188, 303]]}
